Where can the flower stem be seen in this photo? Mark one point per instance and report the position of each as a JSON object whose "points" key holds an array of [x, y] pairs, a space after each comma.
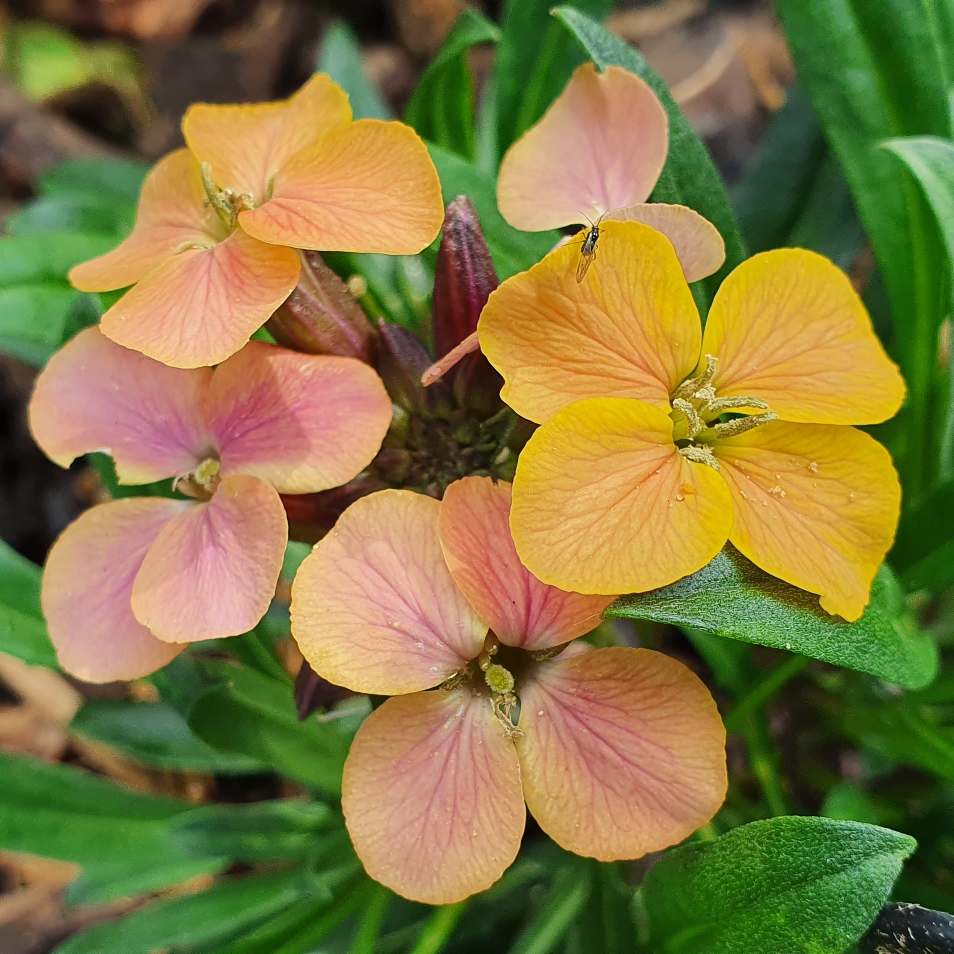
{"points": [[763, 690], [438, 929]]}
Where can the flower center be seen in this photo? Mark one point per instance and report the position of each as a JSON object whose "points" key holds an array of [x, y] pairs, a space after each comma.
{"points": [[202, 483], [696, 412], [226, 203]]}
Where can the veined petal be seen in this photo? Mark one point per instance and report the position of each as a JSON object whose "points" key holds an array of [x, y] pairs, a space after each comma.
{"points": [[200, 306], [431, 796], [622, 752], [697, 242], [815, 505], [374, 607], [478, 548], [600, 146], [629, 329], [94, 395], [369, 186], [87, 585], [301, 422], [788, 327], [173, 211], [212, 571], [604, 503], [246, 145]]}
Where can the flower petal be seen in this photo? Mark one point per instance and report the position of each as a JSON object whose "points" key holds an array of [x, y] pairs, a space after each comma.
{"points": [[815, 505], [630, 329], [374, 607], [698, 244], [94, 395], [788, 327], [301, 422], [478, 548], [600, 146], [604, 503], [212, 571], [622, 752], [87, 586], [431, 796], [201, 305], [369, 186], [173, 211], [246, 145]]}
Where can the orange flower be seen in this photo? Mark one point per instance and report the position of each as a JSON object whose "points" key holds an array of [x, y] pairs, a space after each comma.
{"points": [[660, 444], [212, 254], [617, 752]]}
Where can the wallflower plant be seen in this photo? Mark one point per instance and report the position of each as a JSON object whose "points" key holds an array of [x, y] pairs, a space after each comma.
{"points": [[617, 752]]}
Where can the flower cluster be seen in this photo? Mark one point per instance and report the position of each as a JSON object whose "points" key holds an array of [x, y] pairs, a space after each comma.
{"points": [[638, 443]]}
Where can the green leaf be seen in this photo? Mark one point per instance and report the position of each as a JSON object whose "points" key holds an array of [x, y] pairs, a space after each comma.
{"points": [[119, 180], [689, 176], [733, 597], [441, 108], [606, 924], [260, 831], [512, 251], [155, 734], [561, 904], [254, 715], [874, 73], [22, 629], [535, 60], [783, 886], [224, 911], [340, 58], [923, 552]]}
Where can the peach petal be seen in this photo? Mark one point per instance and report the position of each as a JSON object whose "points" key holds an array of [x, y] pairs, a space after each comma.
{"points": [[439, 368], [87, 586], [212, 571], [431, 796], [201, 305], [173, 212], [303, 423], [788, 327], [600, 146], [478, 548], [815, 505], [630, 329], [622, 752], [246, 145], [369, 186], [698, 244], [604, 503], [374, 607], [94, 395]]}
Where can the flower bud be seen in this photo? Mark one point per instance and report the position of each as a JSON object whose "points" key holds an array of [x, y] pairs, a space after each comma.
{"points": [[401, 360], [321, 315], [311, 516]]}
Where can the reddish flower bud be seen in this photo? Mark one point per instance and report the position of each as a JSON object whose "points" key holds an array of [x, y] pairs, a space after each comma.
{"points": [[313, 693], [401, 360], [311, 516], [321, 315]]}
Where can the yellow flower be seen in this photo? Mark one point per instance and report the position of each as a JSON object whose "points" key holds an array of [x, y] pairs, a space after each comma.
{"points": [[659, 443]]}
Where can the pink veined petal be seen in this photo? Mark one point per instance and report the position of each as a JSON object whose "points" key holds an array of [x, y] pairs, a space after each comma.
{"points": [[374, 607], [698, 244], [87, 586], [622, 752], [173, 211], [478, 548], [439, 368], [212, 571], [201, 305], [301, 422], [94, 395], [600, 146], [431, 796]]}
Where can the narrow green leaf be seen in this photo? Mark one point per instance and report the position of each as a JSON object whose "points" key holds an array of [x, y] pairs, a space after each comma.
{"points": [[340, 58], [689, 176], [511, 250], [787, 885], [441, 108], [923, 552], [563, 901], [117, 179], [22, 630], [535, 60], [733, 597], [36, 259]]}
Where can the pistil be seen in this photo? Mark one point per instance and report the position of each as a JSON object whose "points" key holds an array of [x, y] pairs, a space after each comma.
{"points": [[202, 483], [226, 203]]}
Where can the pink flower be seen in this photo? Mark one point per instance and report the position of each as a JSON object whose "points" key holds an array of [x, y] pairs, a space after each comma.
{"points": [[132, 581], [616, 752]]}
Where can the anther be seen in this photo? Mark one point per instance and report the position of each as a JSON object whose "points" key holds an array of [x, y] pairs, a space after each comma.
{"points": [[742, 424], [719, 405], [695, 423], [690, 387], [700, 455]]}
